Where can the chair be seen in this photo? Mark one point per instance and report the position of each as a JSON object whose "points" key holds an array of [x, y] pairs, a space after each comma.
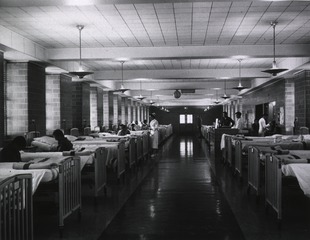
{"points": [[304, 130], [74, 132]]}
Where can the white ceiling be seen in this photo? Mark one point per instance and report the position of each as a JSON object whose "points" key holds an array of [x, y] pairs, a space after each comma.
{"points": [[166, 45]]}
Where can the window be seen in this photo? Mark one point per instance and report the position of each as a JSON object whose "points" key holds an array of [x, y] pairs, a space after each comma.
{"points": [[186, 118]]}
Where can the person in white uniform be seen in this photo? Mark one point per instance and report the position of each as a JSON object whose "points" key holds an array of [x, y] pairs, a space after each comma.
{"points": [[239, 121], [262, 125], [154, 133]]}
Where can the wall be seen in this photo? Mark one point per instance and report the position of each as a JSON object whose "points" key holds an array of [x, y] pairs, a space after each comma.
{"points": [[2, 97], [80, 105], [172, 117], [66, 102], [17, 99], [53, 120], [36, 98], [302, 98], [100, 106], [281, 92]]}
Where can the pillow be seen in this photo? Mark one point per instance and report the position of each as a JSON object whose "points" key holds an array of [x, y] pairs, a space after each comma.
{"points": [[71, 138], [47, 140]]}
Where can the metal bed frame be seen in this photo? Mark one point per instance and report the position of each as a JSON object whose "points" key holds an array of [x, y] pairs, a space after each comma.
{"points": [[273, 185], [254, 173], [16, 208], [145, 145], [100, 170], [69, 189], [238, 158], [139, 149], [132, 152], [121, 159]]}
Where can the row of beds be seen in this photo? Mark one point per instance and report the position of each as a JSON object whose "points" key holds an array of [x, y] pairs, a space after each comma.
{"points": [[268, 160], [63, 170]]}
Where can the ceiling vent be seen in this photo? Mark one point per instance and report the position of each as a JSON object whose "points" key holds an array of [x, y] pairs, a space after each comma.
{"points": [[188, 90]]}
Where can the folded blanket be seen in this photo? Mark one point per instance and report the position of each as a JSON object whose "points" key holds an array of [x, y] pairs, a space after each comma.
{"points": [[77, 153], [32, 165], [300, 160]]}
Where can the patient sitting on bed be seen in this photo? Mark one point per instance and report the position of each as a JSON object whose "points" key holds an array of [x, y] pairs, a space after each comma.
{"points": [[63, 143], [10, 153]]}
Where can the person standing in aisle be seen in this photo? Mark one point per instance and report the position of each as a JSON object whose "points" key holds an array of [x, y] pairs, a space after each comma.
{"points": [[239, 122], [154, 134], [199, 126], [226, 121], [262, 125]]}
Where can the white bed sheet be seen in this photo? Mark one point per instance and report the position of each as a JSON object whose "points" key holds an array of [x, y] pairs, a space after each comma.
{"points": [[302, 172], [6, 170]]}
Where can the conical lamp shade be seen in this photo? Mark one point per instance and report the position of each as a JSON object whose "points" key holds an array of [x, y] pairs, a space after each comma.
{"points": [[80, 73]]}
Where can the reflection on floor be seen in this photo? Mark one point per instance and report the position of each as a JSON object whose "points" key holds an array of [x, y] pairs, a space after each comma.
{"points": [[188, 194], [179, 199]]}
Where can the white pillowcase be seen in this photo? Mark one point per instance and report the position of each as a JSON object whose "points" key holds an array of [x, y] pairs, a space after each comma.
{"points": [[47, 140], [71, 138]]}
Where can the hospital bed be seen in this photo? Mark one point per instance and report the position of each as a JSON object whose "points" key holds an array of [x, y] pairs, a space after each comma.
{"points": [[16, 220], [241, 147], [278, 166], [63, 173]]}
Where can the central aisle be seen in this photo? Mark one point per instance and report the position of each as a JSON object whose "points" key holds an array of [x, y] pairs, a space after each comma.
{"points": [[179, 199]]}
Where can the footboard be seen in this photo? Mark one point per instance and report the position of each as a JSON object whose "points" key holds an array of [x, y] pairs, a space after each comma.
{"points": [[254, 169], [145, 145], [132, 152], [121, 159], [238, 157], [69, 188], [139, 148], [229, 150], [16, 207], [100, 170], [273, 184]]}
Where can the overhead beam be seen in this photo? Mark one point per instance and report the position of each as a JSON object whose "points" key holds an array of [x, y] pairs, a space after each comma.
{"points": [[178, 52], [185, 74], [24, 3]]}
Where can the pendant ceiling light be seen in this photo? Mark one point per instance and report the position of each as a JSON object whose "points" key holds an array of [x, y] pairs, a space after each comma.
{"points": [[151, 101], [80, 73], [225, 96], [217, 100], [274, 70], [239, 87], [122, 89], [140, 96]]}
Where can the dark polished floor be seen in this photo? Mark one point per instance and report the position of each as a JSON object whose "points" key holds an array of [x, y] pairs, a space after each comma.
{"points": [[180, 199], [187, 194]]}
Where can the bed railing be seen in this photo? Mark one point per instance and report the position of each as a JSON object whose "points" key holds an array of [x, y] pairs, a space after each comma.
{"points": [[254, 181], [145, 145], [132, 152], [229, 150], [16, 208], [69, 189], [121, 159], [238, 157], [139, 148], [100, 170], [273, 184]]}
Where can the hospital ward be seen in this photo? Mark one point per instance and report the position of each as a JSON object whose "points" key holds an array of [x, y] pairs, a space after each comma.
{"points": [[154, 120]]}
